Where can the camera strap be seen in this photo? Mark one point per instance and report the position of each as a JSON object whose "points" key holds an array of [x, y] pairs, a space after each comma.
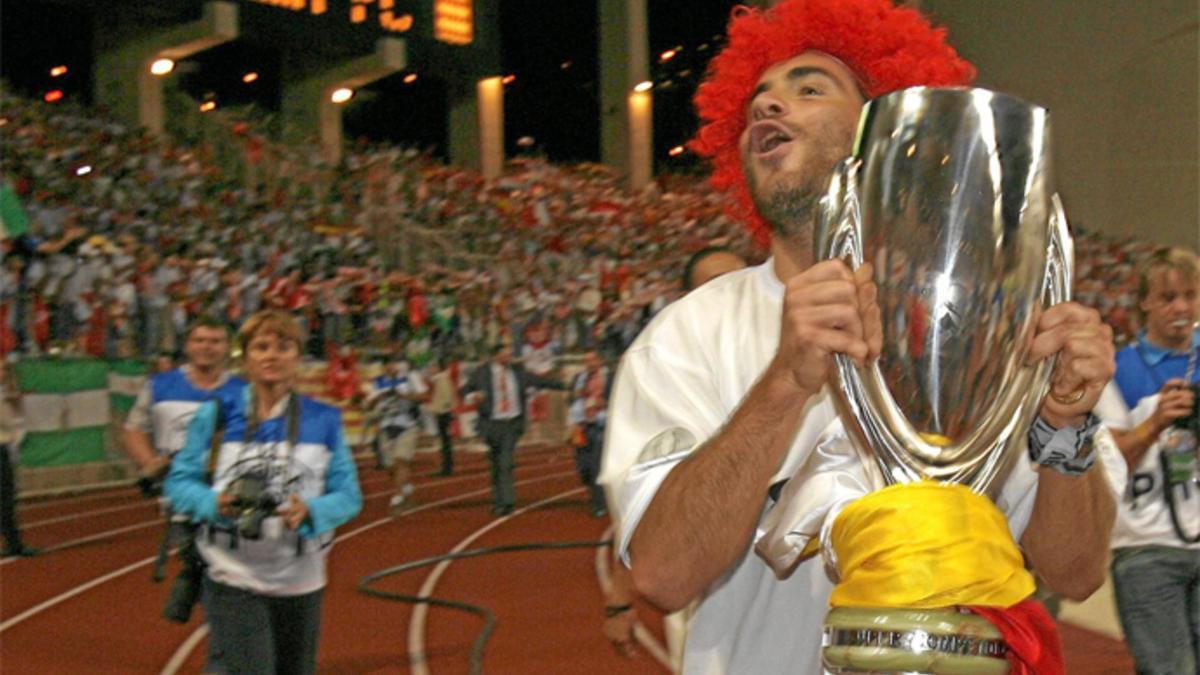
{"points": [[214, 445], [291, 416], [1169, 496]]}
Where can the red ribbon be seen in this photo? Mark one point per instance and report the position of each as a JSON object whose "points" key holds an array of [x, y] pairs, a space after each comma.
{"points": [[1034, 647]]}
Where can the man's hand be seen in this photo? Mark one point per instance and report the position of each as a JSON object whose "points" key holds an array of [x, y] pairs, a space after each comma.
{"points": [[1175, 401], [156, 468], [619, 631], [225, 507], [151, 476], [1084, 346], [827, 309], [294, 512]]}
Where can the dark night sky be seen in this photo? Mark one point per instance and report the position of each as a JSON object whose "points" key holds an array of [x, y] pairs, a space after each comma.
{"points": [[551, 46]]}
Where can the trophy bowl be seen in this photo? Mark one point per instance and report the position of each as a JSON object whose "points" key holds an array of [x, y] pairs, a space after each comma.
{"points": [[948, 193]]}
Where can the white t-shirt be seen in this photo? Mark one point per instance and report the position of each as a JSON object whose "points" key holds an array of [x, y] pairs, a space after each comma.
{"points": [[399, 411], [678, 384], [1143, 517]]}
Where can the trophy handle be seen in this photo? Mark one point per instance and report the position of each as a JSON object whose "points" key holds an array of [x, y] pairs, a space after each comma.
{"points": [[1060, 264], [1059, 276], [839, 222]]}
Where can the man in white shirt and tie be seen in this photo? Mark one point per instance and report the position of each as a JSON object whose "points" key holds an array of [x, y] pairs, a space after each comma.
{"points": [[501, 384]]}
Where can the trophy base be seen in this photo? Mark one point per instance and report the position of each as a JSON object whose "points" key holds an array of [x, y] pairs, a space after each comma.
{"points": [[911, 642]]}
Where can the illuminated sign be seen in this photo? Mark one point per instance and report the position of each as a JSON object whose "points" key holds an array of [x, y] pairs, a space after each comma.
{"points": [[317, 6], [389, 19], [454, 21]]}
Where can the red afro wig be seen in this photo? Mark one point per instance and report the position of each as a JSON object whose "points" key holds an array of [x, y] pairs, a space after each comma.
{"points": [[887, 47]]}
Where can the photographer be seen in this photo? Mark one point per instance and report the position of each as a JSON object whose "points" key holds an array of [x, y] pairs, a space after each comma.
{"points": [[282, 480], [157, 425], [1156, 538]]}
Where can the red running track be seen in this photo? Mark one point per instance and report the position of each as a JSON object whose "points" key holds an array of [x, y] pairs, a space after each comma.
{"points": [[89, 606]]}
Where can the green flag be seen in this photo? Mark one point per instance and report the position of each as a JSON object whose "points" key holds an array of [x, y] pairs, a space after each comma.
{"points": [[13, 221], [66, 403], [125, 380]]}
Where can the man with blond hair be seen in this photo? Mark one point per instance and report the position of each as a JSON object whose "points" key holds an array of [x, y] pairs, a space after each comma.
{"points": [[1156, 539]]}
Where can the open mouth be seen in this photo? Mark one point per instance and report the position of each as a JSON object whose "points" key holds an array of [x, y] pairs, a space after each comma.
{"points": [[766, 137]]}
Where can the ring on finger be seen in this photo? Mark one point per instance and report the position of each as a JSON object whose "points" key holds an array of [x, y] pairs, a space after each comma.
{"points": [[1070, 399]]}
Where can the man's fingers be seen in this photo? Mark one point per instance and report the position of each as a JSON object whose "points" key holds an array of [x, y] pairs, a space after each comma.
{"points": [[864, 273], [1047, 343], [826, 270], [839, 342], [1173, 384], [1067, 312], [871, 316], [1086, 361], [827, 292], [1074, 341], [839, 317]]}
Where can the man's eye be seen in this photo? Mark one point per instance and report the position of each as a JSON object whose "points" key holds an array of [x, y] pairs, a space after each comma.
{"points": [[809, 91]]}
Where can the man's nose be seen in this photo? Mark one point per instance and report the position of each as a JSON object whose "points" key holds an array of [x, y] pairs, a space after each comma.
{"points": [[765, 106]]}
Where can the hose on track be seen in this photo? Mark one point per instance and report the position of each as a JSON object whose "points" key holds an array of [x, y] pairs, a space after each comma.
{"points": [[489, 619]]}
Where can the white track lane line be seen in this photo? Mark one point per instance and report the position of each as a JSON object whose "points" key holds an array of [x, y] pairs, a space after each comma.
{"points": [[71, 543], [147, 504], [416, 627], [640, 632], [62, 597], [66, 595], [180, 657], [158, 521], [144, 503], [120, 489], [182, 654], [108, 493]]}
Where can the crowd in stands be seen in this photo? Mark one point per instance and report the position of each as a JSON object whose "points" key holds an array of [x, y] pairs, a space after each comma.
{"points": [[130, 238]]}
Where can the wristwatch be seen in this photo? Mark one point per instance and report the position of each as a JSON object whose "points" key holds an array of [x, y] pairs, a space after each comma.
{"points": [[1067, 450]]}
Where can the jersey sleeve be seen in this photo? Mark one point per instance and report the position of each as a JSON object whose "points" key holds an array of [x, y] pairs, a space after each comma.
{"points": [[186, 485], [139, 416], [663, 406], [342, 499]]}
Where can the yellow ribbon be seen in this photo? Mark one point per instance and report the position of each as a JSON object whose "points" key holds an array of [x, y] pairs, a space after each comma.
{"points": [[927, 545]]}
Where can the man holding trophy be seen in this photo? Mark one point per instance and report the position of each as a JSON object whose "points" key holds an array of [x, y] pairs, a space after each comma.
{"points": [[964, 380]]}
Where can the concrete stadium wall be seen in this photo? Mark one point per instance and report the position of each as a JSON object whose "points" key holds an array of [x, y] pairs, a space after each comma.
{"points": [[1122, 82]]}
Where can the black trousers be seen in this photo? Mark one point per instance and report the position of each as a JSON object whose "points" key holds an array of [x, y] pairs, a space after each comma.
{"points": [[587, 462], [8, 502], [256, 634], [501, 437], [443, 426]]}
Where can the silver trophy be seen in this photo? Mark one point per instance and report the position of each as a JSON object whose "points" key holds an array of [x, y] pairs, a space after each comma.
{"points": [[949, 194]]}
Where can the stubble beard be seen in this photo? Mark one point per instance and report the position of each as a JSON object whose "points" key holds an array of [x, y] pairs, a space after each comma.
{"points": [[790, 207]]}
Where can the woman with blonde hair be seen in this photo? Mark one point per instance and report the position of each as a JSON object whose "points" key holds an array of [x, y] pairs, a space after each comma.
{"points": [[268, 475]]}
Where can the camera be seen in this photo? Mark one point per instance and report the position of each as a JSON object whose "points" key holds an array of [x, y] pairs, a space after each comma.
{"points": [[253, 502], [186, 589], [1191, 421]]}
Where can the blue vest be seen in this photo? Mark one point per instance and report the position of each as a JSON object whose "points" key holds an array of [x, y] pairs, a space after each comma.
{"points": [[1143, 369], [174, 401]]}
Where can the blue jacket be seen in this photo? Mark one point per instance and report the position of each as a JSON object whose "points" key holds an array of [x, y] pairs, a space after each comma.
{"points": [[319, 469]]}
